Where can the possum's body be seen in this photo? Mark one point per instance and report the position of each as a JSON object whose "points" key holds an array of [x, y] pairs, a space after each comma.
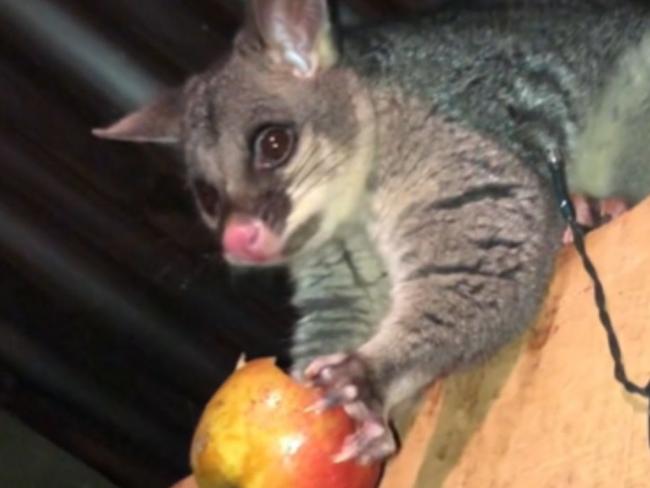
{"points": [[577, 80], [402, 178], [576, 75]]}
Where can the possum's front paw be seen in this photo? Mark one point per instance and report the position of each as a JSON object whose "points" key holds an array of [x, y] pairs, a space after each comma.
{"points": [[345, 381]]}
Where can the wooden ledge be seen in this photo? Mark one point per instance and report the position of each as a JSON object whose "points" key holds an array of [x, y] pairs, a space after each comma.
{"points": [[547, 411]]}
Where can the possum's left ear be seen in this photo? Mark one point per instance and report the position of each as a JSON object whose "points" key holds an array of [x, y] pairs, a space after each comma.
{"points": [[293, 33], [158, 122]]}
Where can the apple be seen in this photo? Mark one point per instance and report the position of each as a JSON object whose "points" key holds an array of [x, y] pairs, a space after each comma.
{"points": [[257, 432]]}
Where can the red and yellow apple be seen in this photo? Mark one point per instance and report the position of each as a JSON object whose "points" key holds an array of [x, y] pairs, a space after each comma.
{"points": [[257, 432]]}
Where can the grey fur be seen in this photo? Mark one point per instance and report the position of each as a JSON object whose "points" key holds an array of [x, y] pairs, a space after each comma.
{"points": [[460, 98], [421, 231]]}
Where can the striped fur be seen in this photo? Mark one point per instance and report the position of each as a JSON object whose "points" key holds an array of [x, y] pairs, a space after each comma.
{"points": [[416, 217]]}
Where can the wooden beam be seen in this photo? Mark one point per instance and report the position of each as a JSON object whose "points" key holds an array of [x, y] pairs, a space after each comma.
{"points": [[547, 411]]}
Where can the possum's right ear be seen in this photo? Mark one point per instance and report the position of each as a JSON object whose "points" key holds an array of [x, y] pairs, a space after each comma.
{"points": [[292, 33], [158, 122]]}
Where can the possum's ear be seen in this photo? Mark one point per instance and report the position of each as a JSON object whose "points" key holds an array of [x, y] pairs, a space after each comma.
{"points": [[158, 122], [293, 33]]}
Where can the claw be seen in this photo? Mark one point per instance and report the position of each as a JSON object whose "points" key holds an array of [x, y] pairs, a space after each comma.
{"points": [[345, 381], [611, 208], [347, 394], [319, 365], [319, 407], [347, 453], [372, 442]]}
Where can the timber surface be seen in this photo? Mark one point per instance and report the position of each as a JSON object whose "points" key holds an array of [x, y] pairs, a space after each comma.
{"points": [[547, 411]]}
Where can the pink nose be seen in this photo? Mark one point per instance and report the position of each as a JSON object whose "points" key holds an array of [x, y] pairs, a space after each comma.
{"points": [[249, 240]]}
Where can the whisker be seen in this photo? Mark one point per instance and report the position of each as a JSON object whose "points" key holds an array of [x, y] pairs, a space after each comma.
{"points": [[321, 177], [308, 159], [313, 167]]}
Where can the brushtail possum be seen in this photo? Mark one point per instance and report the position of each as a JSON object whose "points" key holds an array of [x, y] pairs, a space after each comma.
{"points": [[397, 170]]}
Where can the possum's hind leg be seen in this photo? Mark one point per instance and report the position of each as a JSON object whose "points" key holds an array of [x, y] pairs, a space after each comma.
{"points": [[584, 213], [592, 213], [610, 208]]}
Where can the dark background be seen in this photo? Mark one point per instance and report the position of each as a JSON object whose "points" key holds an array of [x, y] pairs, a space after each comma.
{"points": [[117, 318]]}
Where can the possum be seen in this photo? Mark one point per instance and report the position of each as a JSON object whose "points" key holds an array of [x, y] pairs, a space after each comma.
{"points": [[398, 171]]}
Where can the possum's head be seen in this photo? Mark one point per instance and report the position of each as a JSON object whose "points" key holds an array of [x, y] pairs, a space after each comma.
{"points": [[277, 137]]}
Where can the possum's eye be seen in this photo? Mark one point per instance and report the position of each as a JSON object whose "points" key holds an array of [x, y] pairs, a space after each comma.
{"points": [[207, 195], [273, 146]]}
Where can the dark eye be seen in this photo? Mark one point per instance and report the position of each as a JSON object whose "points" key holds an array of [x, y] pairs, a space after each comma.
{"points": [[208, 196], [273, 147]]}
